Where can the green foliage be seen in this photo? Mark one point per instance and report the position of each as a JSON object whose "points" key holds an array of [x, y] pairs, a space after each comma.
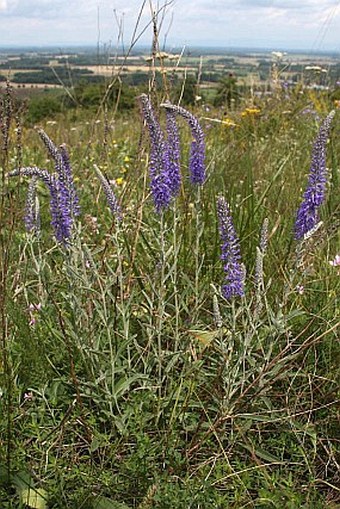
{"points": [[125, 392], [227, 91], [53, 76], [90, 96], [45, 106], [187, 90]]}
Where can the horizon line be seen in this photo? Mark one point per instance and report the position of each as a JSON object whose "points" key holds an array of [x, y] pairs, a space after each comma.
{"points": [[189, 47]]}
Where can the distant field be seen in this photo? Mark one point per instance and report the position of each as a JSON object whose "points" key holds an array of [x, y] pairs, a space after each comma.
{"points": [[109, 70], [49, 70], [30, 85]]}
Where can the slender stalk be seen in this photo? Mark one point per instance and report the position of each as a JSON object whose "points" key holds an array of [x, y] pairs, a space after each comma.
{"points": [[175, 275], [7, 227], [161, 298], [124, 309], [198, 261]]}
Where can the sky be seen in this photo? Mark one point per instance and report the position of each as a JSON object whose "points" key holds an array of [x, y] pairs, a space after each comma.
{"points": [[312, 25]]}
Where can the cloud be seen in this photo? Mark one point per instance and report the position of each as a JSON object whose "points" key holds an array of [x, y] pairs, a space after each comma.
{"points": [[59, 8], [30, 9], [278, 4], [214, 22]]}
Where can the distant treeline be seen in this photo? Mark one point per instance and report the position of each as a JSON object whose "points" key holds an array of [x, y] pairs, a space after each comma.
{"points": [[48, 76], [90, 95]]}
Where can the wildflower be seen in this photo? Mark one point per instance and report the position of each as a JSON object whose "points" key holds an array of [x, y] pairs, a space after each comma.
{"points": [[228, 122], [92, 223], [197, 151], [264, 235], [308, 213], [110, 195], [63, 198], [70, 192], [234, 271], [64, 203], [336, 261], [33, 310], [51, 147], [120, 181], [250, 111], [49, 180], [159, 161], [61, 220], [312, 231], [300, 289]]}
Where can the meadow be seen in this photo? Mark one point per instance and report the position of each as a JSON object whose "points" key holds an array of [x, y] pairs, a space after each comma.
{"points": [[174, 350]]}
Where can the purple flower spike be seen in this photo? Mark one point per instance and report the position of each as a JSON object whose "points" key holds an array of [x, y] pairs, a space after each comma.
{"points": [[60, 223], [308, 213], [61, 219], [68, 195], [64, 204], [70, 191], [230, 249], [51, 148], [159, 158], [197, 151], [110, 195]]}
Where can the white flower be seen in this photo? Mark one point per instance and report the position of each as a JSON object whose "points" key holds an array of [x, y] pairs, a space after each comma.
{"points": [[336, 261]]}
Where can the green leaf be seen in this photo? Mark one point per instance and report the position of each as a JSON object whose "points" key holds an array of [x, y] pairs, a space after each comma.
{"points": [[204, 337], [22, 480], [106, 503], [34, 498], [261, 453]]}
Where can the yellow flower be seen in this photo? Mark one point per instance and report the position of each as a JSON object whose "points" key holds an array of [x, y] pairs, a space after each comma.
{"points": [[337, 103], [250, 111], [229, 122], [126, 159], [120, 181]]}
